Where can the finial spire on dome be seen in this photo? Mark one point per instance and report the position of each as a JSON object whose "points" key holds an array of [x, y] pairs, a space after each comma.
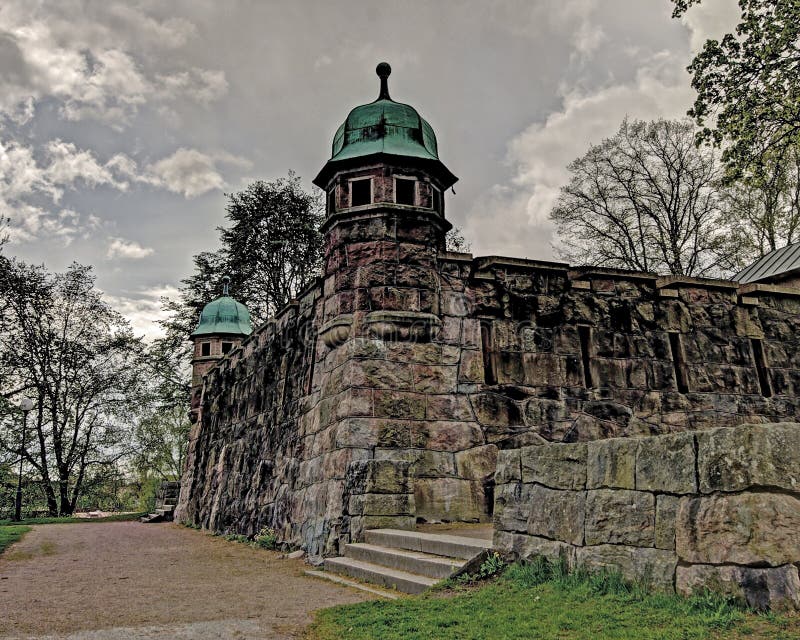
{"points": [[384, 71], [226, 282]]}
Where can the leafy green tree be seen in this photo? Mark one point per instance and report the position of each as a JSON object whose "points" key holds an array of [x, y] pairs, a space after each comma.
{"points": [[763, 206], [645, 199], [62, 345], [748, 85], [271, 250]]}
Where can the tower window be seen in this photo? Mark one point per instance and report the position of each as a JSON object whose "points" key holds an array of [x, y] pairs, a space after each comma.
{"points": [[404, 189], [437, 199], [360, 192], [226, 347], [332, 200], [205, 349]]}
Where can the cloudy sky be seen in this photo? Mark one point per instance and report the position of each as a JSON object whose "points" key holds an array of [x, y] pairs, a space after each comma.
{"points": [[122, 123]]}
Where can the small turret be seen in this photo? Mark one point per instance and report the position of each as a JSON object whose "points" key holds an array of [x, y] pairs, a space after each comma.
{"points": [[223, 324]]}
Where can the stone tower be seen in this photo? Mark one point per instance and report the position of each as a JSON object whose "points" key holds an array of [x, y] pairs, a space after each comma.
{"points": [[385, 223], [223, 324]]}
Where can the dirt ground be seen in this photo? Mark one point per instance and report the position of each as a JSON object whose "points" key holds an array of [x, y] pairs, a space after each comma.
{"points": [[130, 580]]}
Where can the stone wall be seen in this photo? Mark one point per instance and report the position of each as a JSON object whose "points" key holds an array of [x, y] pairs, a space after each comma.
{"points": [[436, 363], [713, 509], [586, 354]]}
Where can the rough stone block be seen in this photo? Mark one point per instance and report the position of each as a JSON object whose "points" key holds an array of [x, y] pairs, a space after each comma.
{"points": [[509, 466], [776, 588], [524, 547], [655, 568], [364, 432], [448, 407], [378, 374], [388, 504], [620, 516], [477, 463], [666, 515], [666, 463], [431, 378], [377, 476], [444, 435], [496, 409], [422, 462], [557, 515], [737, 458], [511, 506], [471, 367], [611, 463], [449, 500], [560, 466], [748, 528], [399, 404]]}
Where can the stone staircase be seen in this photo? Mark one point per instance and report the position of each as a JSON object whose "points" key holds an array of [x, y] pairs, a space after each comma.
{"points": [[166, 499], [408, 561], [162, 514]]}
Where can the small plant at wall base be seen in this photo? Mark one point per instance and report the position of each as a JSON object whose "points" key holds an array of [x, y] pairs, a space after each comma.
{"points": [[267, 538], [492, 566]]}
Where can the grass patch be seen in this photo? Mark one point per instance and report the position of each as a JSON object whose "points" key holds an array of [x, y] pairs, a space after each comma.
{"points": [[119, 517], [543, 601], [9, 535]]}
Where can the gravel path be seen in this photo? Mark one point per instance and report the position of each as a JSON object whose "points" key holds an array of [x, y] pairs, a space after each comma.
{"points": [[130, 580]]}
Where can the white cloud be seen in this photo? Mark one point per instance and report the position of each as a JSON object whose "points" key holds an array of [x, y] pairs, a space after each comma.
{"points": [[540, 154], [28, 184], [129, 249], [191, 172], [101, 67], [711, 19], [143, 308]]}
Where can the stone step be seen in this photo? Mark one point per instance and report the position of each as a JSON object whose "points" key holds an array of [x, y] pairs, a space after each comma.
{"points": [[376, 574], [152, 517], [433, 543], [417, 562], [332, 577]]}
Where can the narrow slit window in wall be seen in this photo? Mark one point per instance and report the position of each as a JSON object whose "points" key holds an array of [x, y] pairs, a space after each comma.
{"points": [[205, 349], [761, 367], [360, 192], [678, 362], [585, 334], [489, 375]]}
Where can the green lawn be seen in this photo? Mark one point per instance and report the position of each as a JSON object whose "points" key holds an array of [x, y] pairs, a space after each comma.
{"points": [[66, 520], [10, 534], [524, 605]]}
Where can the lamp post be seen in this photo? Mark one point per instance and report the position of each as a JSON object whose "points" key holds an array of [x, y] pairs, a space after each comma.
{"points": [[25, 405]]}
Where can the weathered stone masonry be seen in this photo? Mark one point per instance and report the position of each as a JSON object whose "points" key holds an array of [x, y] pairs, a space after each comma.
{"points": [[387, 393], [282, 442], [700, 509]]}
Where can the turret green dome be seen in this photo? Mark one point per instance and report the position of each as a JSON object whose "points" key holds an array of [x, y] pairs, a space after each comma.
{"points": [[384, 127], [224, 316]]}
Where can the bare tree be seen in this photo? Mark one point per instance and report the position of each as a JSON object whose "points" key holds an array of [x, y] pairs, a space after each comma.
{"points": [[645, 199], [63, 346]]}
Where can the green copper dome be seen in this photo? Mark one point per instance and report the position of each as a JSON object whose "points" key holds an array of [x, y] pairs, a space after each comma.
{"points": [[224, 316], [384, 127]]}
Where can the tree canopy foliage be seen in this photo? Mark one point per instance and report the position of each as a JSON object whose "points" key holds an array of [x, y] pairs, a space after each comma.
{"points": [[64, 347], [271, 250], [645, 199], [748, 85]]}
